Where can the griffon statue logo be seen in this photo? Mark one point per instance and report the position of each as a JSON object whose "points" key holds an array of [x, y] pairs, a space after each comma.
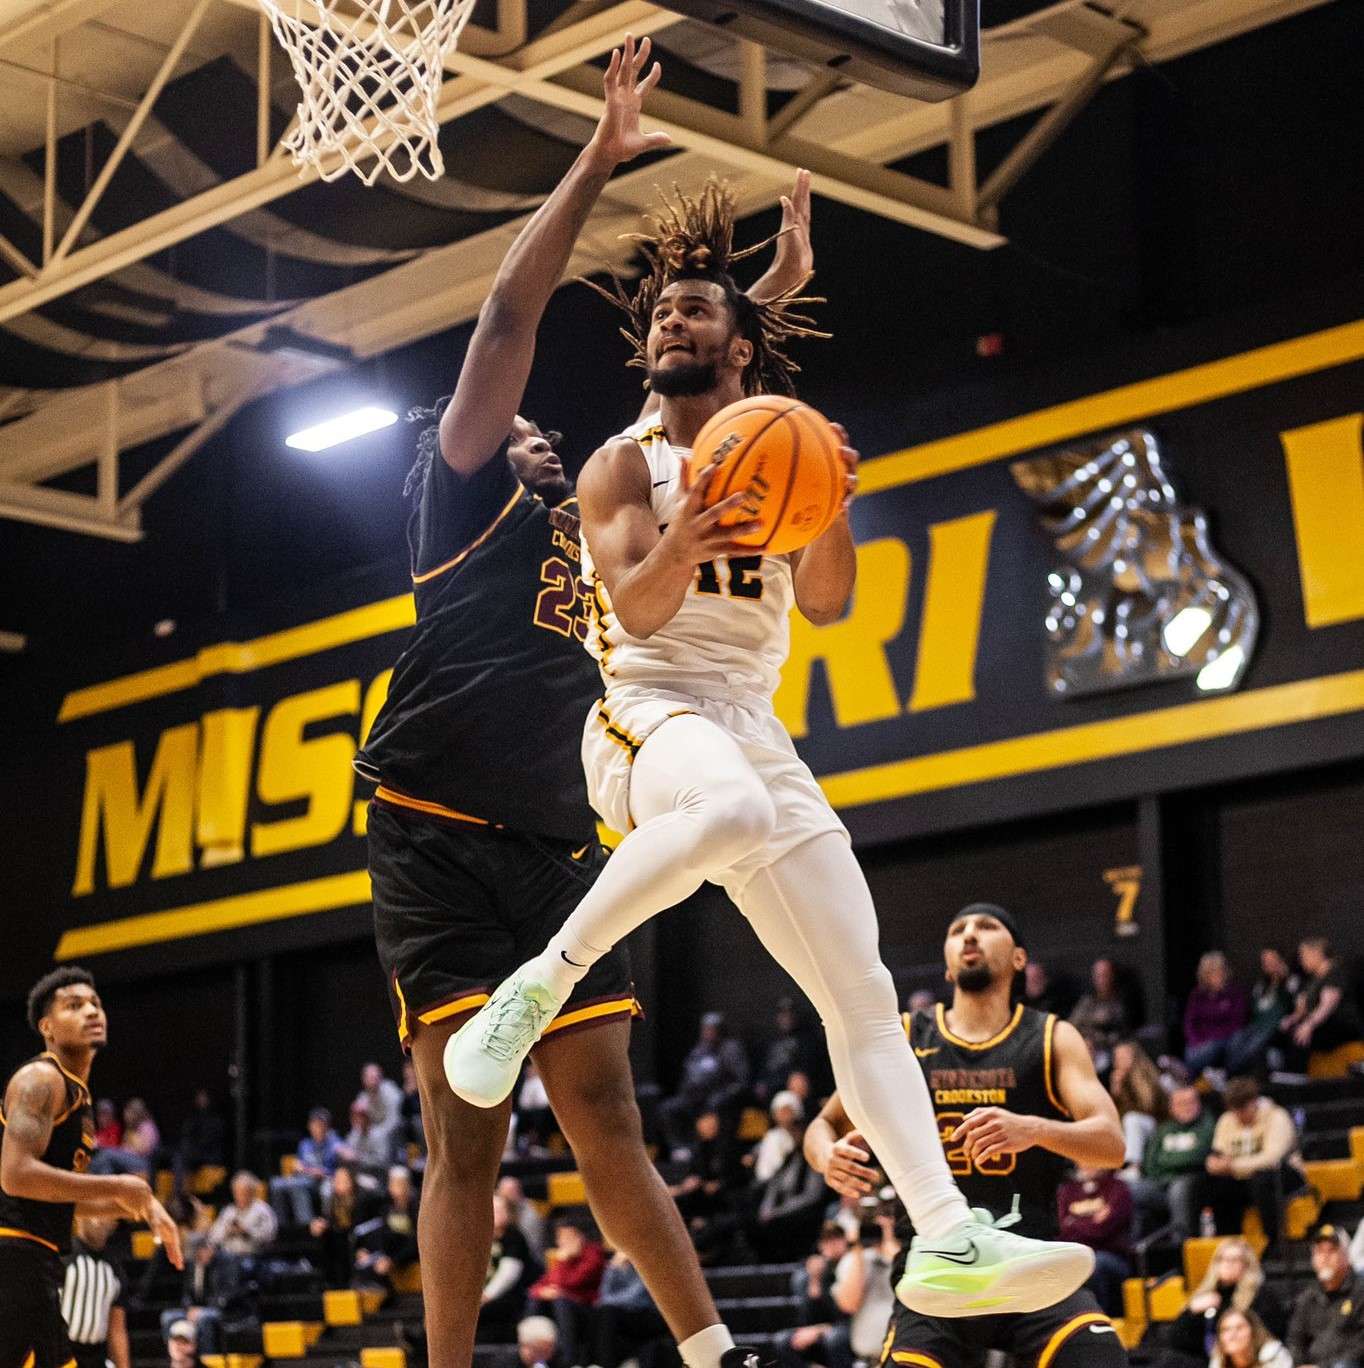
{"points": [[1140, 595]]}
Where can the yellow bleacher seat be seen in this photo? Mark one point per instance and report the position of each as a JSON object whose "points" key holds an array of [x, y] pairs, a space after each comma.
{"points": [[289, 1339], [1335, 1179], [144, 1244], [231, 1360], [288, 1165], [566, 1189], [407, 1279], [382, 1357], [1357, 1147], [1198, 1253], [1300, 1215], [1335, 1063], [206, 1178], [372, 1298], [1167, 1297], [164, 1186], [1252, 1230], [752, 1124], [342, 1307]]}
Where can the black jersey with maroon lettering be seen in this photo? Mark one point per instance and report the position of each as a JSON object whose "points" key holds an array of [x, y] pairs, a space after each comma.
{"points": [[485, 711], [1014, 1070], [70, 1148]]}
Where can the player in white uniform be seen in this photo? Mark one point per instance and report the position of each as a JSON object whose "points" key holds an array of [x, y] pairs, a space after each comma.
{"points": [[685, 754]]}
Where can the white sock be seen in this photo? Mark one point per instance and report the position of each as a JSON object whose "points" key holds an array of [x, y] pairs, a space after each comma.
{"points": [[706, 1347], [813, 912]]}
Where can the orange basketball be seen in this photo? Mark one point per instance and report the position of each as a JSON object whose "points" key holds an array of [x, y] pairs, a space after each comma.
{"points": [[786, 455]]}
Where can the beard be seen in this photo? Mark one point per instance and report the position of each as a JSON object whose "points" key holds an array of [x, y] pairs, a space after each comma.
{"points": [[682, 381], [975, 978]]}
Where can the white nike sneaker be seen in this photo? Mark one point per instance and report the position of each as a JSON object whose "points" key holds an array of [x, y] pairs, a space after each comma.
{"points": [[483, 1058], [982, 1270]]}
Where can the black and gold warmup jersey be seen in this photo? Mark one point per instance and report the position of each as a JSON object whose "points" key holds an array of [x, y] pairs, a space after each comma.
{"points": [[1013, 1070], [47, 1225], [485, 711]]}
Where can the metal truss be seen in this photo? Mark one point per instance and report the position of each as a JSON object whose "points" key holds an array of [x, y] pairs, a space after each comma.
{"points": [[1055, 60]]}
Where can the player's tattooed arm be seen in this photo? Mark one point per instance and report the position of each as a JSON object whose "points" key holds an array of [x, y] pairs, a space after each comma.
{"points": [[493, 378], [647, 571], [1092, 1137]]}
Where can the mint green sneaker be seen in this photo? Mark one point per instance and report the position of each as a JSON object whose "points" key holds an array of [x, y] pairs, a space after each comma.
{"points": [[483, 1058], [982, 1270]]}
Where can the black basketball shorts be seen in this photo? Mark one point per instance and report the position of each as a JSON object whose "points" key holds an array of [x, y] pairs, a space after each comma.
{"points": [[31, 1327], [1072, 1334], [459, 906]]}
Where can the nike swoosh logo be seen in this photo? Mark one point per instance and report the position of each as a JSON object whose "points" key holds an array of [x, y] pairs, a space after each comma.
{"points": [[662, 482], [956, 1257], [923, 1054], [563, 956]]}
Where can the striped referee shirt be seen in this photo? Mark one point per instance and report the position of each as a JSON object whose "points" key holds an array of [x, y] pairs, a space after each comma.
{"points": [[92, 1289]]}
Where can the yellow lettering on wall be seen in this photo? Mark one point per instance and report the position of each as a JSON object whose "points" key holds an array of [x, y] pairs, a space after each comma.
{"points": [[954, 597], [113, 806], [852, 649], [225, 755], [316, 769], [374, 700], [1326, 484]]}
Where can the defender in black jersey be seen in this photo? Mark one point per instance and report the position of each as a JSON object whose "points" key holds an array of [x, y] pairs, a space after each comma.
{"points": [[46, 1143], [1017, 1103], [481, 840]]}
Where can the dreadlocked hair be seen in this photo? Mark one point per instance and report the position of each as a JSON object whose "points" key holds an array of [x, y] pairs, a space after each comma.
{"points": [[693, 239]]}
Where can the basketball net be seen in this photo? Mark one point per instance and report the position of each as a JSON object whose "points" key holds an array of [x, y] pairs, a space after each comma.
{"points": [[371, 75]]}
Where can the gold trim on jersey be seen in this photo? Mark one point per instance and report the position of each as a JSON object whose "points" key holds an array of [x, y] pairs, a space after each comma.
{"points": [[912, 1356], [83, 1098], [1054, 1344], [598, 606], [464, 1004], [994, 1040], [388, 795], [563, 1021], [31, 1359], [404, 1035], [473, 545], [1053, 1096], [626, 740], [7, 1233]]}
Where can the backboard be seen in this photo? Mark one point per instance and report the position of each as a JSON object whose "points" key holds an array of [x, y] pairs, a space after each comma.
{"points": [[925, 49]]}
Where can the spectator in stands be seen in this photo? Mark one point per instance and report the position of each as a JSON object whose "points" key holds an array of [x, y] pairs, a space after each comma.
{"points": [[534, 1117], [385, 1100], [1272, 998], [345, 1207], [370, 1151], [203, 1137], [921, 1000], [794, 1047], [295, 1197], [1217, 1009], [201, 1300], [389, 1241], [1043, 993], [790, 1207], [714, 1078], [1095, 1209], [712, 1172], [1327, 1330], [1325, 1015], [1243, 1341], [528, 1221], [568, 1290], [862, 1288], [182, 1344], [511, 1271], [537, 1345], [1234, 1281], [238, 1239], [800, 1084], [411, 1131], [1101, 1016], [1173, 1165], [821, 1333], [108, 1128], [1139, 1095], [626, 1321], [780, 1137], [137, 1152], [1254, 1159]]}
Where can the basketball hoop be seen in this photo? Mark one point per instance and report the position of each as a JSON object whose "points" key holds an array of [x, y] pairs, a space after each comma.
{"points": [[371, 75]]}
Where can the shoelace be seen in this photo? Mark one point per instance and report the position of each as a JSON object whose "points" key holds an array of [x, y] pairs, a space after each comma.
{"points": [[1011, 1218], [513, 1024]]}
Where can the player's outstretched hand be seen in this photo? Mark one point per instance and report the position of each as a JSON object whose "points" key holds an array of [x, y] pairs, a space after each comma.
{"points": [[991, 1131], [618, 137], [166, 1233], [132, 1196], [697, 534], [849, 1170], [795, 253], [850, 457]]}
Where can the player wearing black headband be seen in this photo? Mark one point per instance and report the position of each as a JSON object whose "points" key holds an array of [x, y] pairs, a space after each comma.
{"points": [[1017, 1102]]}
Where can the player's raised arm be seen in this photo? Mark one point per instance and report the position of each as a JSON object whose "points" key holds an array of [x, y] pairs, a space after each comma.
{"points": [[647, 570], [1092, 1137], [494, 374]]}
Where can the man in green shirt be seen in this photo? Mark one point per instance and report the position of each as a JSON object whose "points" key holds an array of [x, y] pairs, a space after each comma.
{"points": [[1171, 1181]]}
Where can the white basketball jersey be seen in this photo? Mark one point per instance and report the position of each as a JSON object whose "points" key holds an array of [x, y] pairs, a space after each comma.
{"points": [[731, 633]]}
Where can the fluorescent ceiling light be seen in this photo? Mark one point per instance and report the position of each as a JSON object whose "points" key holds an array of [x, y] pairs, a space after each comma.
{"points": [[1221, 672], [1183, 631], [341, 429]]}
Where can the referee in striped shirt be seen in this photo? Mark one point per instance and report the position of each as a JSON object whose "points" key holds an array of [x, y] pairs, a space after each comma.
{"points": [[92, 1298]]}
